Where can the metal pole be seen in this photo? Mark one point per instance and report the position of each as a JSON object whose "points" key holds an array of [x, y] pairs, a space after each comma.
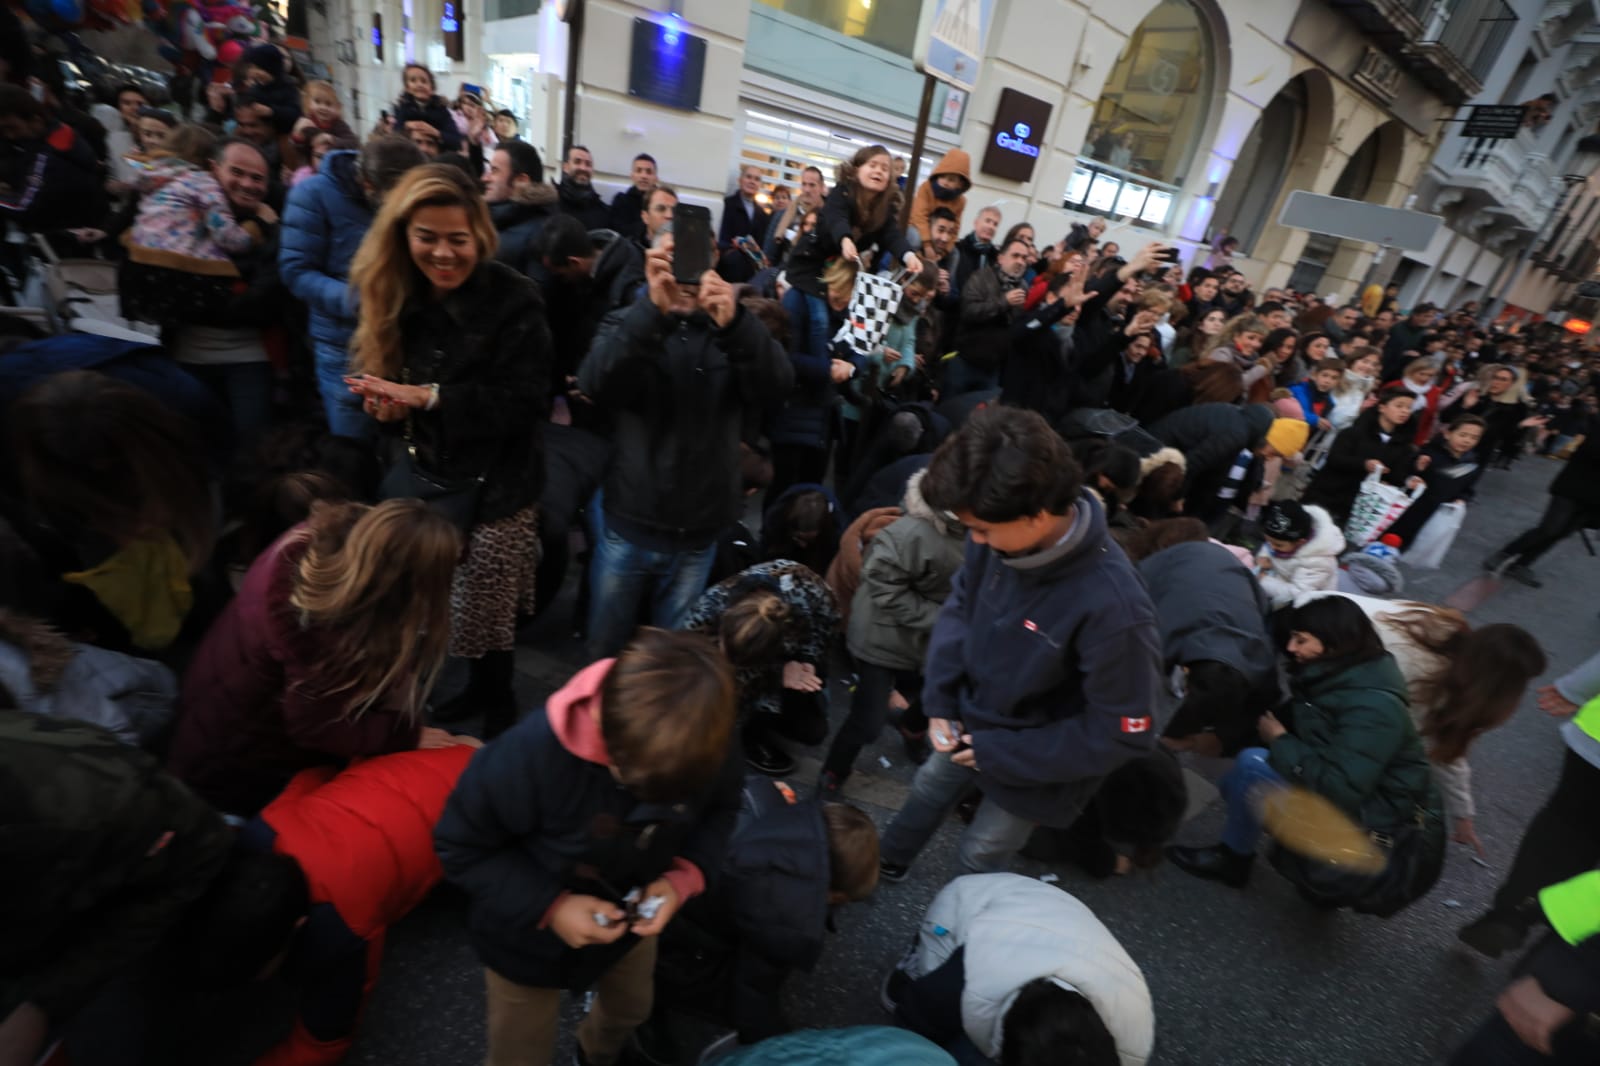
{"points": [[569, 109], [918, 142]]}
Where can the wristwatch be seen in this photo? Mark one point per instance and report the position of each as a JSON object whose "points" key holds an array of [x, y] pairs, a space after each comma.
{"points": [[433, 397]]}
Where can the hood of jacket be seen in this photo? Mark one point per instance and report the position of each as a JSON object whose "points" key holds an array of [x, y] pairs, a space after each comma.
{"points": [[536, 194], [914, 505], [342, 167], [1326, 536], [1258, 416], [958, 163], [571, 710]]}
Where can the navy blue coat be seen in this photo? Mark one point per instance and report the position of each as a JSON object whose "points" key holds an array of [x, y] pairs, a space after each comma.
{"points": [[323, 224], [529, 820], [1056, 670]]}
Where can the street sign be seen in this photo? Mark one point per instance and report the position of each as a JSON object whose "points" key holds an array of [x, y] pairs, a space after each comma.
{"points": [[1496, 122], [950, 40], [1391, 227]]}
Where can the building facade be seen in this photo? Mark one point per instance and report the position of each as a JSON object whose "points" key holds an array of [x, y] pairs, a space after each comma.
{"points": [[1175, 119], [1519, 212]]}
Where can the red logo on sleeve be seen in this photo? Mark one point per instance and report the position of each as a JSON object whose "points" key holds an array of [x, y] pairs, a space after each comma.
{"points": [[1136, 725]]}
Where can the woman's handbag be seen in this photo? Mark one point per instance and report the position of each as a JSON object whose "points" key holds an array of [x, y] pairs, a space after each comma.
{"points": [[406, 478], [1414, 855]]}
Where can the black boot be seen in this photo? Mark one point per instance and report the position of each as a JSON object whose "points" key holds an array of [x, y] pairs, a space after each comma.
{"points": [[1524, 574], [488, 692], [1494, 562], [1216, 863]]}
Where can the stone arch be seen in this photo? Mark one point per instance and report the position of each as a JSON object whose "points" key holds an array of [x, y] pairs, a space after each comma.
{"points": [[1315, 91]]}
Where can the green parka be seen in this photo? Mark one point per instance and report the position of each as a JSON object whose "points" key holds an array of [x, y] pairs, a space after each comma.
{"points": [[1351, 740]]}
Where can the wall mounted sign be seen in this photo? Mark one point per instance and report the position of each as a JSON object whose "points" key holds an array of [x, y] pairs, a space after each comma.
{"points": [[1494, 121], [668, 64], [1017, 136]]}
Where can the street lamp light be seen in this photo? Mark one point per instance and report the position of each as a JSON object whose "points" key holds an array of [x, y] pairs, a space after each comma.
{"points": [[1584, 160]]}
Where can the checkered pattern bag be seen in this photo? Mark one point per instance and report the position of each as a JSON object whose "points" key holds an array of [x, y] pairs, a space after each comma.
{"points": [[866, 321]]}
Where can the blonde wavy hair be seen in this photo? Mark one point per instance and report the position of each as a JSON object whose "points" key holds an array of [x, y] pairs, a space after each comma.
{"points": [[375, 584], [1243, 323], [383, 273]]}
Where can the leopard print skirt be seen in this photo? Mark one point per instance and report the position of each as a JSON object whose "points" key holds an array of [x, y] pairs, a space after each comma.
{"points": [[493, 584]]}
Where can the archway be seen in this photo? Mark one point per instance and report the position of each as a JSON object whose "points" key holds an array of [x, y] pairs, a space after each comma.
{"points": [[1369, 174], [1151, 119], [1261, 167]]}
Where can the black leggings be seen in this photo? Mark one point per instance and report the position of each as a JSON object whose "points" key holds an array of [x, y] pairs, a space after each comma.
{"points": [[1562, 841], [1562, 518], [869, 709]]}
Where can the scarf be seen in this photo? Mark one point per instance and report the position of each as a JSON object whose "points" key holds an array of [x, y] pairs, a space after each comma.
{"points": [[1419, 391]]}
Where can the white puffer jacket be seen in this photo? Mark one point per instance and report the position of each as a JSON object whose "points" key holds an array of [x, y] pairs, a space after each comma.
{"points": [[1016, 930], [1314, 568]]}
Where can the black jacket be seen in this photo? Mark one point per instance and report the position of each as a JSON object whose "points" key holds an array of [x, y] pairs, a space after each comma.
{"points": [[986, 318], [730, 949], [1211, 436], [487, 347], [627, 213], [1579, 479], [530, 820], [583, 204], [577, 307], [53, 182], [102, 852], [1339, 481], [520, 222], [1097, 343], [1034, 374], [436, 113], [679, 391], [736, 222], [812, 252]]}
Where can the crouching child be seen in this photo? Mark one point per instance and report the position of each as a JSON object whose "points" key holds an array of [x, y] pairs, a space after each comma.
{"points": [[580, 833]]}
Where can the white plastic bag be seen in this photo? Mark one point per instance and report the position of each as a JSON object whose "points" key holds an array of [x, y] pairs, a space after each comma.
{"points": [[1433, 540], [1376, 508]]}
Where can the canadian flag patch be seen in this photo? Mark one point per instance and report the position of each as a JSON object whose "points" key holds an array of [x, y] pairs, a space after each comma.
{"points": [[1136, 725], [1030, 625]]}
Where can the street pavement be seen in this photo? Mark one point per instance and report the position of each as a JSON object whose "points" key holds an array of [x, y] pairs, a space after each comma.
{"points": [[1238, 977]]}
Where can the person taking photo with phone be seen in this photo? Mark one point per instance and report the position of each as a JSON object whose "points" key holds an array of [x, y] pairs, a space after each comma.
{"points": [[679, 374]]}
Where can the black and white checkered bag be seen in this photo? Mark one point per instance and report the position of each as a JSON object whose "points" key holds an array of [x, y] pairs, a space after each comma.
{"points": [[873, 302]]}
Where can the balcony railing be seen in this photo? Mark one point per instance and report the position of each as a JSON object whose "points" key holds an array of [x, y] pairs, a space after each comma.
{"points": [[1450, 45], [1509, 175]]}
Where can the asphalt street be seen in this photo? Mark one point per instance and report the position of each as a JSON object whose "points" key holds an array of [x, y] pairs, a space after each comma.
{"points": [[1238, 977]]}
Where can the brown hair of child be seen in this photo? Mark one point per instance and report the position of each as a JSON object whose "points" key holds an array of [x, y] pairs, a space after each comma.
{"points": [[667, 709], [752, 628], [852, 851]]}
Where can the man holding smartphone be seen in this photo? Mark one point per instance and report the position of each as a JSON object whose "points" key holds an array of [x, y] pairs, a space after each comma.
{"points": [[1044, 673], [680, 374]]}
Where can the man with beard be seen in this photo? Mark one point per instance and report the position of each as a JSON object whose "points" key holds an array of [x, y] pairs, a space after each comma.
{"points": [[577, 195], [627, 207]]}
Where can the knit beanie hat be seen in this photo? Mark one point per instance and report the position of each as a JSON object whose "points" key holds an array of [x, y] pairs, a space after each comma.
{"points": [[265, 57], [1286, 520], [1288, 435]]}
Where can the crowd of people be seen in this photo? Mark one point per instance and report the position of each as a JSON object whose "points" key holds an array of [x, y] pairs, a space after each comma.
{"points": [[1064, 519]]}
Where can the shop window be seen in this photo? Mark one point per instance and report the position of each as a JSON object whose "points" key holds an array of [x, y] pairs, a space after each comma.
{"points": [[889, 24], [1149, 120]]}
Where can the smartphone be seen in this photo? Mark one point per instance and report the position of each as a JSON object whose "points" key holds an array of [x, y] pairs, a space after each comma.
{"points": [[1168, 255], [691, 243]]}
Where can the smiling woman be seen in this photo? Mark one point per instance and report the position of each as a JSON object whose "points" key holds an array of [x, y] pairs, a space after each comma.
{"points": [[453, 360]]}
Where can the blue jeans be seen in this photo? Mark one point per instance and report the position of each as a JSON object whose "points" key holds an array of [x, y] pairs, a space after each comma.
{"points": [[245, 389], [962, 377], [343, 407], [988, 844], [622, 576], [808, 322], [1241, 788]]}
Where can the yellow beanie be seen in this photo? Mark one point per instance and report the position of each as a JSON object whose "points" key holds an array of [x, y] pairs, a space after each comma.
{"points": [[1288, 435]]}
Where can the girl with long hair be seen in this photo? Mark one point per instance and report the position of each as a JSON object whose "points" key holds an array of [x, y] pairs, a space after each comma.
{"points": [[1240, 342], [419, 101], [1500, 398], [1463, 682], [861, 213], [1196, 336], [1345, 734], [453, 358], [326, 654]]}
